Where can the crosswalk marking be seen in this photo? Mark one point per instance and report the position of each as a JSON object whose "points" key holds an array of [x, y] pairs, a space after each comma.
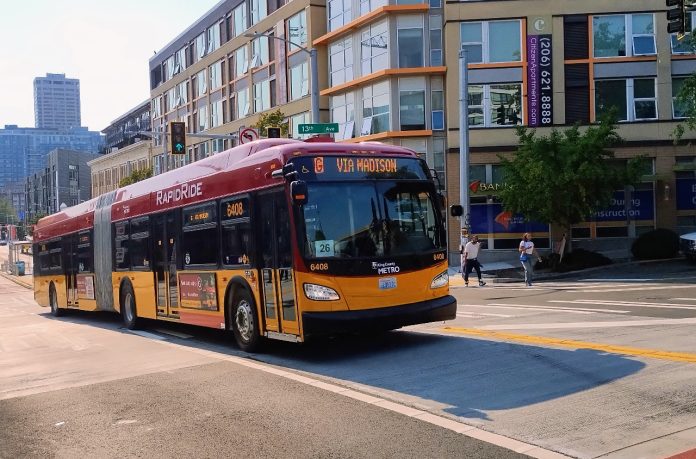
{"points": [[627, 303]]}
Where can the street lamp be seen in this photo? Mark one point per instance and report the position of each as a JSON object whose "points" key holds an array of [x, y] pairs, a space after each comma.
{"points": [[314, 67]]}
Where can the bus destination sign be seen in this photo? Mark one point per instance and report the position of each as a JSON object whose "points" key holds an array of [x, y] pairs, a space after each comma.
{"points": [[359, 167]]}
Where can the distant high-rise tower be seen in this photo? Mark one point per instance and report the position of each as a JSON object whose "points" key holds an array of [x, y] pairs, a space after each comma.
{"points": [[56, 102]]}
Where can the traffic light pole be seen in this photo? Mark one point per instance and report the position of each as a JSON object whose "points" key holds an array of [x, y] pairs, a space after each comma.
{"points": [[464, 146]]}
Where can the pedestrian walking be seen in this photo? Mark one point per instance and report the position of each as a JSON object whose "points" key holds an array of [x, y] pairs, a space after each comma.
{"points": [[527, 251], [470, 261]]}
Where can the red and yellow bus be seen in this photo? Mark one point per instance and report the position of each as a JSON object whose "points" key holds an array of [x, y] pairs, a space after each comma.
{"points": [[276, 239]]}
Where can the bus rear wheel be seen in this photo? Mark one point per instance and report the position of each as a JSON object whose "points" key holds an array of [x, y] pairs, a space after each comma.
{"points": [[244, 322], [128, 309], [53, 301]]}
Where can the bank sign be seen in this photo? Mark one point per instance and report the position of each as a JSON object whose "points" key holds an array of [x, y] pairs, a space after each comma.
{"points": [[686, 194], [492, 219]]}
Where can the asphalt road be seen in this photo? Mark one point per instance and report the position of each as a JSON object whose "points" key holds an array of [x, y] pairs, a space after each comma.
{"points": [[603, 365]]}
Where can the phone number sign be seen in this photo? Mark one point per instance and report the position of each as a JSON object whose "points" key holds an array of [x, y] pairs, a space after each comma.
{"points": [[539, 80]]}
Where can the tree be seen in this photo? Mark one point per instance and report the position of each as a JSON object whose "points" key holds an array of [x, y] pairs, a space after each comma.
{"points": [[7, 212], [686, 97], [563, 178], [136, 176], [33, 220], [276, 118]]}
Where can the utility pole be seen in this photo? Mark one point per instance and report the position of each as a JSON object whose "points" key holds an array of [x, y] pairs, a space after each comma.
{"points": [[464, 145]]}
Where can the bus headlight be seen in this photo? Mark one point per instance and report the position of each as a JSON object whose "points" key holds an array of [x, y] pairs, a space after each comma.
{"points": [[320, 293], [440, 280]]}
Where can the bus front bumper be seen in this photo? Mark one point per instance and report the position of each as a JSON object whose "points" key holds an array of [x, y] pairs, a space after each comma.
{"points": [[388, 318]]}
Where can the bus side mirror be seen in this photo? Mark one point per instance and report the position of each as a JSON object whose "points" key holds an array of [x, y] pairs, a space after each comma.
{"points": [[456, 210], [298, 192]]}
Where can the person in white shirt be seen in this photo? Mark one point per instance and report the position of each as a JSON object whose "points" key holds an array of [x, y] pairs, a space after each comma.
{"points": [[527, 250], [470, 260]]}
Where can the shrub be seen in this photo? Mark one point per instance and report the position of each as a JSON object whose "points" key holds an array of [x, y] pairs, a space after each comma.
{"points": [[656, 244], [582, 259]]}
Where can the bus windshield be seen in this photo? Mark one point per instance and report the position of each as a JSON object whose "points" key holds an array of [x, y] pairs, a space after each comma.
{"points": [[371, 219]]}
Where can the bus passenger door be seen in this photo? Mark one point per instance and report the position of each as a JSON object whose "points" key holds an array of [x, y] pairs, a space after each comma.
{"points": [[70, 267], [165, 261], [277, 276]]}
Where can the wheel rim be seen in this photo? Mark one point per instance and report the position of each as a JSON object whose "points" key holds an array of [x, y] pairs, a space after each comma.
{"points": [[244, 320], [128, 306]]}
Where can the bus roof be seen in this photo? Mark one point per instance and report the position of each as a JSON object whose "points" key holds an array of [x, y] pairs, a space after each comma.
{"points": [[245, 167]]}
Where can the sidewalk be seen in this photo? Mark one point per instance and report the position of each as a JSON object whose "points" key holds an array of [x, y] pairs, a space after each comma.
{"points": [[500, 273]]}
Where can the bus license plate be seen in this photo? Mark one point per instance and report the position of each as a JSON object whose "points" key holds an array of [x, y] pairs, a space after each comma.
{"points": [[387, 283]]}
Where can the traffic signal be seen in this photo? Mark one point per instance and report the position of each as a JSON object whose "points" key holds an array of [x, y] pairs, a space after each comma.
{"points": [[177, 134], [676, 16], [273, 132]]}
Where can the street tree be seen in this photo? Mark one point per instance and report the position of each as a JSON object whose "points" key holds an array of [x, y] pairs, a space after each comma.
{"points": [[136, 176], [272, 119], [563, 178], [7, 212], [686, 96]]}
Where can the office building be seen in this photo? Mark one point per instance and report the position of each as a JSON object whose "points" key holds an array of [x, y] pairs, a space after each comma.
{"points": [[552, 63], [64, 182], [218, 80], [57, 102]]}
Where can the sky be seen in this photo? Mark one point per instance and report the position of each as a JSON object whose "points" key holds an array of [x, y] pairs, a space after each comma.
{"points": [[106, 44]]}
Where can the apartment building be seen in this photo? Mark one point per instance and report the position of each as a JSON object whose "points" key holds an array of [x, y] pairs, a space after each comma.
{"points": [[386, 74], [127, 148], [218, 80], [552, 63]]}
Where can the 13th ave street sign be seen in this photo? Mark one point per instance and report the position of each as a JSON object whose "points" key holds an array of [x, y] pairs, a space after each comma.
{"points": [[318, 128]]}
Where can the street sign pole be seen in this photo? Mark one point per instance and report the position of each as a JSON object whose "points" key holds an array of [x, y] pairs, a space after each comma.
{"points": [[464, 145]]}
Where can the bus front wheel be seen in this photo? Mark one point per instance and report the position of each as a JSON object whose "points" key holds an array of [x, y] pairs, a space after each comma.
{"points": [[128, 309], [53, 301], [244, 322]]}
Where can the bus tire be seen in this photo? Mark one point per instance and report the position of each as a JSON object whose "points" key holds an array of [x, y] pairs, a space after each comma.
{"points": [[53, 301], [129, 312], [244, 321]]}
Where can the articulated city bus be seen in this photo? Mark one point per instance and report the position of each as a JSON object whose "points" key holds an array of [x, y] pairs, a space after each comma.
{"points": [[276, 239]]}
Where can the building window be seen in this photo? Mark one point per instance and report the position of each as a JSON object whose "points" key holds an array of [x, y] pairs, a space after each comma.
{"points": [[240, 19], [633, 99], [409, 37], [370, 5], [374, 48], [243, 103], [182, 93], [339, 12], [180, 61], [241, 61], [680, 108], [259, 52], [213, 38], [262, 96], [259, 10], [412, 104], [435, 40], [216, 114], [200, 47], [684, 45], [375, 106], [341, 61], [201, 84], [495, 105], [202, 117], [492, 41], [299, 81], [343, 113], [297, 30], [610, 35], [216, 75], [438, 109], [171, 99]]}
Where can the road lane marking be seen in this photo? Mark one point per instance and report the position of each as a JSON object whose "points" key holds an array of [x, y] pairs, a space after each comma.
{"points": [[145, 334], [475, 315], [561, 309], [636, 304], [605, 324], [610, 348], [636, 289]]}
